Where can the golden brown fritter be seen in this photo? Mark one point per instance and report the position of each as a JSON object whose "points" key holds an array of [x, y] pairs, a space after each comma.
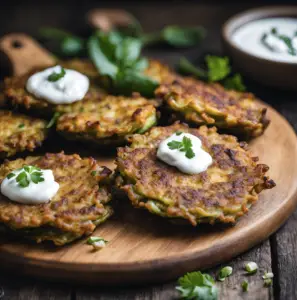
{"points": [[222, 193], [201, 103], [159, 72], [19, 133], [18, 96], [75, 211], [108, 120]]}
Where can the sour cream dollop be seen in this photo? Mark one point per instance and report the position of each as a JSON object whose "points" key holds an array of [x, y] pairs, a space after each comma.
{"points": [[199, 163], [72, 87], [249, 38], [34, 193]]}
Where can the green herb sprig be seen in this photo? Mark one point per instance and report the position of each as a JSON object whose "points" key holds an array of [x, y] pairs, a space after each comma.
{"points": [[197, 285], [184, 146], [27, 174], [218, 70], [282, 37], [56, 76], [176, 36], [118, 58], [53, 120]]}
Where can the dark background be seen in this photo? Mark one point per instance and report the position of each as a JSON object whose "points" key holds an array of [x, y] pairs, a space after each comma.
{"points": [[279, 252]]}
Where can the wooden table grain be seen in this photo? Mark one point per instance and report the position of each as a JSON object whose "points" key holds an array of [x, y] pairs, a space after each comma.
{"points": [[277, 254]]}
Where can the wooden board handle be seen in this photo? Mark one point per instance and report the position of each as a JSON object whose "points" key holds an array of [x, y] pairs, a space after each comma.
{"points": [[109, 19], [24, 53]]}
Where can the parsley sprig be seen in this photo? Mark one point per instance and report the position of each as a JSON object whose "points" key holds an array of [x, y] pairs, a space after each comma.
{"points": [[56, 76], [197, 285], [27, 174], [218, 69], [184, 146]]}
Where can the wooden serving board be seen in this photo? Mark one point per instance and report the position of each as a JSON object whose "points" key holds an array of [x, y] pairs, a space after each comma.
{"points": [[145, 248]]}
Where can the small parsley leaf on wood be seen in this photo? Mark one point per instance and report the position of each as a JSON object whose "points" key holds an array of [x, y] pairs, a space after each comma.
{"points": [[56, 76]]}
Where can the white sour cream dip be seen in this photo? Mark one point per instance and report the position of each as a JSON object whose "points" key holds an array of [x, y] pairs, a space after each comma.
{"points": [[199, 163], [72, 87], [34, 193], [249, 38]]}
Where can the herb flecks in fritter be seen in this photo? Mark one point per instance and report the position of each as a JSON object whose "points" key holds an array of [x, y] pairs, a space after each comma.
{"points": [[19, 133], [202, 103], [78, 207], [224, 192]]}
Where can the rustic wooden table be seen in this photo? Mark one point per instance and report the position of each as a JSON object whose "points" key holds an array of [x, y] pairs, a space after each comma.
{"points": [[278, 253]]}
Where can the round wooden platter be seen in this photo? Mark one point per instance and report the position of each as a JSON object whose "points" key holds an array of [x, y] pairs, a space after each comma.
{"points": [[145, 248]]}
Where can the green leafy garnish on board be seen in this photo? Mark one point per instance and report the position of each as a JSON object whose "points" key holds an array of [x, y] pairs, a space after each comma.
{"points": [[224, 273], [184, 146], [245, 286], [97, 242], [218, 67], [176, 36], [26, 175], [53, 120], [65, 43], [119, 59], [22, 125], [197, 285], [56, 76], [218, 70]]}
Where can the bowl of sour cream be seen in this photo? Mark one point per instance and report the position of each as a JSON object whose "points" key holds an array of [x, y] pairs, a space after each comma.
{"points": [[262, 43]]}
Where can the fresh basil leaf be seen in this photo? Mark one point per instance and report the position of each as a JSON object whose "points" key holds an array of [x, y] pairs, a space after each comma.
{"points": [[72, 46], [128, 82], [128, 51], [141, 64], [183, 36], [218, 67], [186, 67], [98, 57]]}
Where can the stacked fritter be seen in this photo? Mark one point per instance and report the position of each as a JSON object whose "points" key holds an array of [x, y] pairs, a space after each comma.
{"points": [[222, 193]]}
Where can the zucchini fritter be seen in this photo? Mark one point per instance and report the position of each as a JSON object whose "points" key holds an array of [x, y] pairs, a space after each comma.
{"points": [[75, 211], [203, 103], [222, 193], [19, 133], [19, 97], [108, 120]]}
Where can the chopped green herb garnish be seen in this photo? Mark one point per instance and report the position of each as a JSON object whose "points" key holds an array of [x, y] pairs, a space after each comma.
{"points": [[218, 70], [53, 120], [218, 67], [97, 242], [178, 132], [234, 83], [224, 273], [10, 175], [267, 282], [184, 146], [251, 267], [21, 125], [268, 275], [56, 76], [119, 59], [245, 286], [197, 285], [27, 174], [282, 37], [93, 173]]}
